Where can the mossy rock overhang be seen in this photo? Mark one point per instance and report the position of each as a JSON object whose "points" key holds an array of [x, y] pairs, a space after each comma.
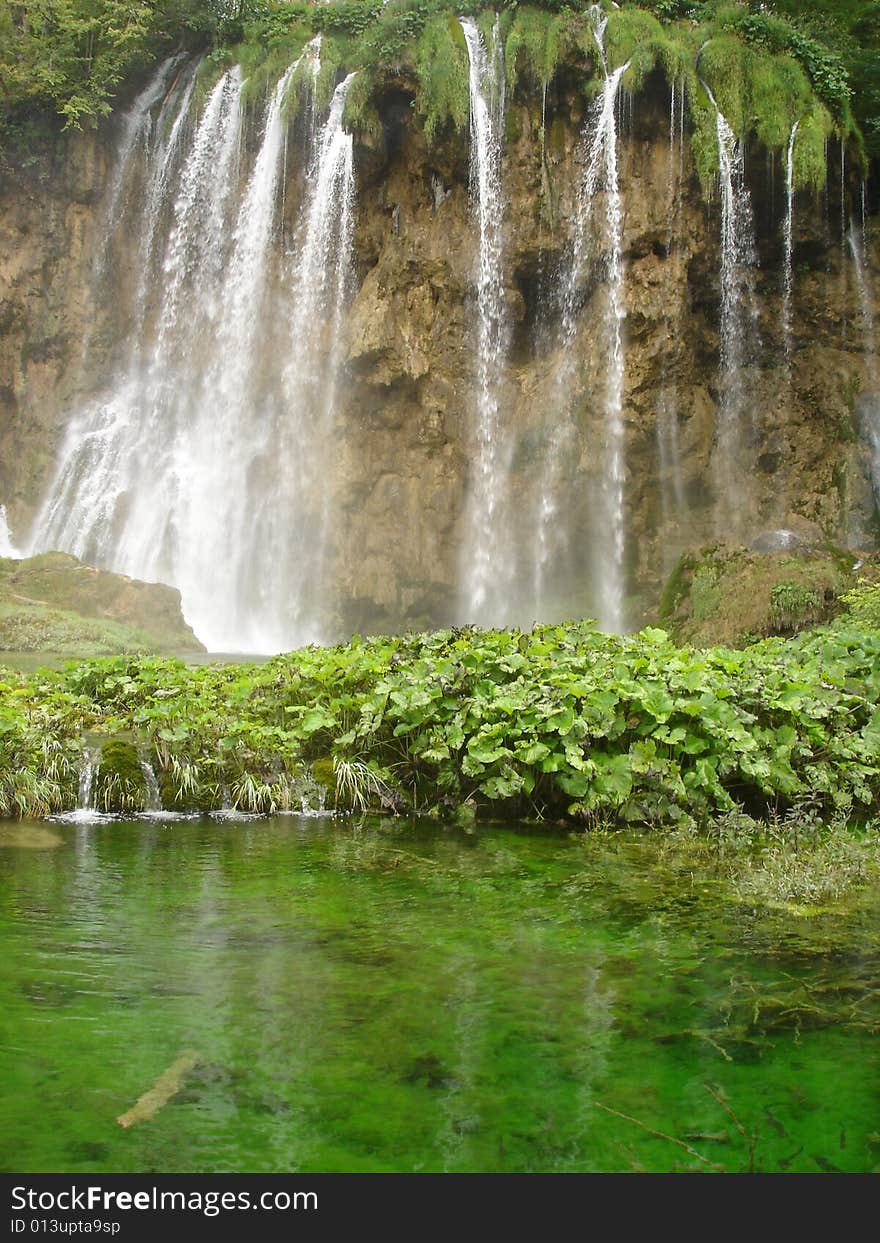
{"points": [[71, 605], [734, 595]]}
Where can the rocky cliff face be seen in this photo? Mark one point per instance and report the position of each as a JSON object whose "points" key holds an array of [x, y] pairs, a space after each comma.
{"points": [[405, 432], [49, 212], [807, 463]]}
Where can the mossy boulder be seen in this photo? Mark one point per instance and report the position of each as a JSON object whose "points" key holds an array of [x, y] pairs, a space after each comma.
{"points": [[323, 774], [56, 603], [734, 596], [120, 783]]}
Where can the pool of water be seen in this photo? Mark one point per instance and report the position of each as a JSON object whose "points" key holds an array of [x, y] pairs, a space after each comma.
{"points": [[401, 996]]}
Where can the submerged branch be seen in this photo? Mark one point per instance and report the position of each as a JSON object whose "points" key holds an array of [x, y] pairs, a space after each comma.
{"points": [[662, 1135]]}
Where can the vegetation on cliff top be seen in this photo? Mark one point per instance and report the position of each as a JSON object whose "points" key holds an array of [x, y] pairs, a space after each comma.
{"points": [[768, 65], [561, 722]]}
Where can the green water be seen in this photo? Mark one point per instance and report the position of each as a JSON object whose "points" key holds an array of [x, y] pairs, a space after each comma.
{"points": [[404, 997]]}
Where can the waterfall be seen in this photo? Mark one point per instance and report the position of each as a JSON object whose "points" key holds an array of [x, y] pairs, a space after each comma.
{"points": [[669, 451], [7, 548], [320, 280], [166, 146], [488, 557], [788, 273], [126, 464], [135, 132], [737, 330], [608, 544], [205, 464], [869, 404]]}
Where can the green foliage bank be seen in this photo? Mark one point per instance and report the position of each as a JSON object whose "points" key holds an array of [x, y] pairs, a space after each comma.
{"points": [[559, 722]]}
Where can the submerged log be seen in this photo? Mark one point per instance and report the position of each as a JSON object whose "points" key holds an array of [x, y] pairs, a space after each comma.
{"points": [[166, 1086]]}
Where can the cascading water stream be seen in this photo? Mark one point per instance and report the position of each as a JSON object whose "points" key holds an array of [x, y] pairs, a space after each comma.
{"points": [[88, 772], [869, 404], [166, 146], [216, 471], [669, 451], [203, 191], [488, 563], [7, 548], [204, 463], [737, 331], [153, 796], [788, 270], [137, 128], [608, 544], [302, 437], [116, 494]]}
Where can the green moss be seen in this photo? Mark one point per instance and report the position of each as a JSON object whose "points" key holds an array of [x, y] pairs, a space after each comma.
{"points": [[513, 125], [704, 592], [809, 161], [119, 781], [793, 606], [722, 66], [442, 69], [535, 43], [324, 774], [704, 135], [633, 35], [53, 602], [677, 587], [361, 115]]}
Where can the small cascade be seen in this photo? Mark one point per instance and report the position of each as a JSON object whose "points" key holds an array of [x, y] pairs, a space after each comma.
{"points": [[788, 272], [668, 448], [88, 774], [608, 544], [737, 331], [488, 563], [7, 548], [153, 796], [86, 793]]}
